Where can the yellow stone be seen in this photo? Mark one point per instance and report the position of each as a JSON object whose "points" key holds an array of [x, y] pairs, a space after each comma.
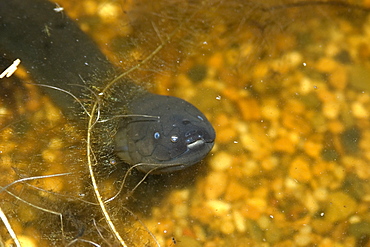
{"points": [[218, 207], [321, 226], [239, 221], [285, 41], [54, 184], [284, 144], [359, 110], [250, 109], [108, 12], [254, 208], [313, 149], [339, 78], [216, 61], [235, 191], [300, 170], [270, 112], [221, 161], [226, 135], [336, 127], [51, 155], [295, 122], [227, 227], [24, 241], [295, 107], [331, 109], [215, 185], [269, 163], [260, 70], [326, 65]]}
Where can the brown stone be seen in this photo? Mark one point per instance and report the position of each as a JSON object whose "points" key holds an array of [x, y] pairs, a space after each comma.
{"points": [[236, 191], [284, 144], [339, 78], [250, 109]]}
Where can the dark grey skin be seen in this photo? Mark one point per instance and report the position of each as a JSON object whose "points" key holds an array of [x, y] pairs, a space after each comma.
{"points": [[158, 133], [182, 136]]}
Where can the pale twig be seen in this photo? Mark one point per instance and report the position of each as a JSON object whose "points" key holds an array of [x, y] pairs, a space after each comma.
{"points": [[123, 183], [38, 207], [83, 240], [67, 92], [33, 178], [142, 180], [145, 227], [99, 232], [11, 69], [31, 204], [95, 184], [9, 228]]}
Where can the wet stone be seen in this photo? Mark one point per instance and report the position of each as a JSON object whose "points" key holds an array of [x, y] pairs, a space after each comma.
{"points": [[340, 206], [335, 127], [331, 109], [339, 78], [250, 109], [359, 110], [360, 77], [284, 144], [197, 73], [271, 177], [326, 65], [343, 57], [360, 229], [329, 154], [236, 191], [353, 185], [350, 139], [215, 185], [313, 149], [185, 241], [24, 240], [300, 170], [221, 161], [311, 101]]}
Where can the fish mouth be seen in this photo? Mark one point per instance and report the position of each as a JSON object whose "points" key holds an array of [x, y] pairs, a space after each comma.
{"points": [[197, 139], [196, 144], [195, 152]]}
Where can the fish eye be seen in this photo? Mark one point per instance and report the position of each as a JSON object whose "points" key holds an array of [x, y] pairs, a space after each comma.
{"points": [[157, 135], [174, 138]]}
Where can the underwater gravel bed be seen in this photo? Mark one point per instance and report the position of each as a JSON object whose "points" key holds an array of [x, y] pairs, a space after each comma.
{"points": [[290, 105]]}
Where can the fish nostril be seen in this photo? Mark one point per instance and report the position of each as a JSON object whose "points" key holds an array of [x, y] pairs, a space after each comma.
{"points": [[200, 134], [194, 135], [190, 133], [185, 122]]}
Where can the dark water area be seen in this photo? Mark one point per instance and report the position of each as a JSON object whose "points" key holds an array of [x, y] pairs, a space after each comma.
{"points": [[286, 84]]}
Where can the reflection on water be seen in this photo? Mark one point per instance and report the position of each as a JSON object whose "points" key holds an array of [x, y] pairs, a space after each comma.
{"points": [[287, 89]]}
